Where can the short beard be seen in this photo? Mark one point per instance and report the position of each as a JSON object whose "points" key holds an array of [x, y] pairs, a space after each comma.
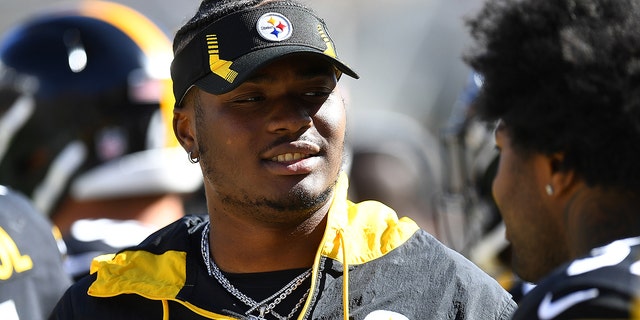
{"points": [[294, 209], [299, 200]]}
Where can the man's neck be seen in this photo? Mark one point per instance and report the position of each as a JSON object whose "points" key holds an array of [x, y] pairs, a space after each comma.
{"points": [[599, 217], [242, 246]]}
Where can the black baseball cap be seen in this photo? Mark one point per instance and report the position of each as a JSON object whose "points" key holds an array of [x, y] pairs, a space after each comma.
{"points": [[226, 52]]}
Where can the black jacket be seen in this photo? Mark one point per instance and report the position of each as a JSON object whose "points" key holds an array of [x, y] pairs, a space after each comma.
{"points": [[393, 268]]}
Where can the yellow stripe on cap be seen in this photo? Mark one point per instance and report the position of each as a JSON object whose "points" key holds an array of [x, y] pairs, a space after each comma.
{"points": [[219, 66], [331, 51]]}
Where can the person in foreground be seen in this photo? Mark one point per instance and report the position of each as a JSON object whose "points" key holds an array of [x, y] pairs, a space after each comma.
{"points": [[32, 277], [259, 109], [563, 80]]}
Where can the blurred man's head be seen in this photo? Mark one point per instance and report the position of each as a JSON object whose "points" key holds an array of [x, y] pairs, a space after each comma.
{"points": [[563, 79], [82, 92]]}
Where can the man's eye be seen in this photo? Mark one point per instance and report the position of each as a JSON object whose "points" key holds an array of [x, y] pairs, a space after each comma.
{"points": [[248, 99], [317, 93]]}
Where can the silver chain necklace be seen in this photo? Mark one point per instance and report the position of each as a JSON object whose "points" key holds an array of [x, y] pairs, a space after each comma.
{"points": [[263, 307]]}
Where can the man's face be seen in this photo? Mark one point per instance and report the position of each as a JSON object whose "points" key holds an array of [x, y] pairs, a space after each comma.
{"points": [[534, 232], [274, 145]]}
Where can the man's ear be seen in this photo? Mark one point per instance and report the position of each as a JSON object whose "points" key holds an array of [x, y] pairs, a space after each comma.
{"points": [[560, 179], [183, 128]]}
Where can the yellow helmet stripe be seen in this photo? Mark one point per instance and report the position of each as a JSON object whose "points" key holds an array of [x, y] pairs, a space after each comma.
{"points": [[151, 40], [134, 24]]}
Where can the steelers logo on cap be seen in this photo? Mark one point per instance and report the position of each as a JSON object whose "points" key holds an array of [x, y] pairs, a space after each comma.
{"points": [[274, 26]]}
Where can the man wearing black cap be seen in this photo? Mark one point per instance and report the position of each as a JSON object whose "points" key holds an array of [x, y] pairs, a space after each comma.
{"points": [[258, 108]]}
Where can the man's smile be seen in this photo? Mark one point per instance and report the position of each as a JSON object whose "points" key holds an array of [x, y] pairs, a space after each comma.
{"points": [[289, 157]]}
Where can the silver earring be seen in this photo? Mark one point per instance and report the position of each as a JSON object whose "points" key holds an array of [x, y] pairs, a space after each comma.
{"points": [[191, 159], [549, 189]]}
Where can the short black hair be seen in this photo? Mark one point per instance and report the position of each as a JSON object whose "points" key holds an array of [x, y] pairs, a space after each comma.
{"points": [[212, 10], [564, 75]]}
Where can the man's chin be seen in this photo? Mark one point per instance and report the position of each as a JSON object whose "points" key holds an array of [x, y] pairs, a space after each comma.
{"points": [[302, 199]]}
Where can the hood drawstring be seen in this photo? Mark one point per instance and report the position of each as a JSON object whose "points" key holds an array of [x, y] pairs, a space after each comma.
{"points": [[165, 310], [345, 276]]}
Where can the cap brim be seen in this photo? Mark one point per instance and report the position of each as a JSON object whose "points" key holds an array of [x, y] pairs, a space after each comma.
{"points": [[251, 62]]}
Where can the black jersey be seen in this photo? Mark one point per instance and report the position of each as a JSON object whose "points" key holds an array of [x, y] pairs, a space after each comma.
{"points": [[604, 284], [32, 278]]}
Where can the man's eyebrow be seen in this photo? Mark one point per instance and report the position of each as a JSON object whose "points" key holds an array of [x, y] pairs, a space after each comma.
{"points": [[259, 77]]}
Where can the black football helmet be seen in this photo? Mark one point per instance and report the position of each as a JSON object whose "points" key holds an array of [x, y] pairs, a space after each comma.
{"points": [[85, 102]]}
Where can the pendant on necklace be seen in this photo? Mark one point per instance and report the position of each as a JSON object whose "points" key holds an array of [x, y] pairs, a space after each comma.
{"points": [[263, 310]]}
